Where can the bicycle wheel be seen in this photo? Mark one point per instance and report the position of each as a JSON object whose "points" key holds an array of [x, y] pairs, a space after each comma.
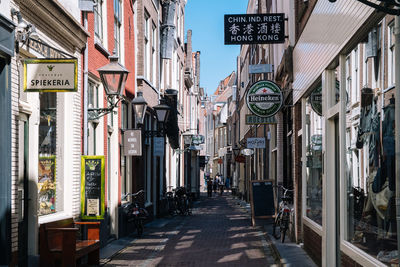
{"points": [[276, 229]]}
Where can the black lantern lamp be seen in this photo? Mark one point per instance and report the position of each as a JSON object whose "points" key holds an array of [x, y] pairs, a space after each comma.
{"points": [[162, 111], [113, 76], [139, 105], [236, 151]]}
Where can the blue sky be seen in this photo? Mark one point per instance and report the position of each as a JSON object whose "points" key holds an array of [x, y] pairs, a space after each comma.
{"points": [[206, 20]]}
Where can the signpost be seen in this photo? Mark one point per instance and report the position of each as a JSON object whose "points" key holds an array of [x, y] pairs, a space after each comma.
{"points": [[254, 28], [253, 119], [50, 75], [264, 98], [92, 187]]}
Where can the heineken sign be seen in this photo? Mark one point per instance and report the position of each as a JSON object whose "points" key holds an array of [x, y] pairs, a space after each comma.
{"points": [[316, 100], [264, 98]]}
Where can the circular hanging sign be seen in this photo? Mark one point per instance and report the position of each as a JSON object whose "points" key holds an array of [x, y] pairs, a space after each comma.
{"points": [[264, 98], [316, 100]]}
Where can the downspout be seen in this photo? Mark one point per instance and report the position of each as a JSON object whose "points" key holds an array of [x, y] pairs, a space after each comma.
{"points": [[85, 90]]}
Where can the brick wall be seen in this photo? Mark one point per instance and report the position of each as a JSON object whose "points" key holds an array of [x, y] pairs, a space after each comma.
{"points": [[297, 171], [313, 245]]}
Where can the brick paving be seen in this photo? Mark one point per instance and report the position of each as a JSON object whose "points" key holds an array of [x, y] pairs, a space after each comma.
{"points": [[219, 233]]}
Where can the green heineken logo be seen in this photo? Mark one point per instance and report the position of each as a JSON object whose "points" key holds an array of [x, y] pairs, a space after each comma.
{"points": [[91, 164], [264, 98], [316, 100], [50, 67]]}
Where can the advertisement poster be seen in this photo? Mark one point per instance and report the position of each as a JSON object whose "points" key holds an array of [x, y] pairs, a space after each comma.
{"points": [[47, 185], [92, 187]]}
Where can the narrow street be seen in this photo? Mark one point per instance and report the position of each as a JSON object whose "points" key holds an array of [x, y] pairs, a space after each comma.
{"points": [[219, 233]]}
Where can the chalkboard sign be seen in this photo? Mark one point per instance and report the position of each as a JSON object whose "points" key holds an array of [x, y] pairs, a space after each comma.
{"points": [[262, 199], [92, 187]]}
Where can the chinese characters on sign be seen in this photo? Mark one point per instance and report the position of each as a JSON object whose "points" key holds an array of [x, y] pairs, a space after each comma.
{"points": [[254, 28]]}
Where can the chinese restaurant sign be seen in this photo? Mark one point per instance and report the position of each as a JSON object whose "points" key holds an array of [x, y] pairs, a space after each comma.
{"points": [[50, 75], [254, 28], [47, 185], [264, 98], [92, 187]]}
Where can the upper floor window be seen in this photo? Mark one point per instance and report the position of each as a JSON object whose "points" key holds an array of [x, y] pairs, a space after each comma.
{"points": [[348, 77], [98, 20], [117, 27], [153, 54], [391, 54], [146, 45]]}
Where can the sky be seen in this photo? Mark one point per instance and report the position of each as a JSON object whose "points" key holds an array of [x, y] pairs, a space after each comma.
{"points": [[206, 20]]}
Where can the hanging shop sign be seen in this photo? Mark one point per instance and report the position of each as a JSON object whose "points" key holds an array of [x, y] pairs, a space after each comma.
{"points": [[158, 146], [253, 119], [264, 98], [92, 187], [256, 142], [261, 68], [247, 151], [50, 75], [316, 100], [133, 142], [254, 28]]}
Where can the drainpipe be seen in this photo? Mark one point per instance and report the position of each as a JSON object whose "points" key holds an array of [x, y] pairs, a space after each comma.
{"points": [[85, 90], [397, 128]]}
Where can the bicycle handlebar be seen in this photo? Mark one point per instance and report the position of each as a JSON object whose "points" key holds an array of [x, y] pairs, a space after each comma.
{"points": [[132, 194]]}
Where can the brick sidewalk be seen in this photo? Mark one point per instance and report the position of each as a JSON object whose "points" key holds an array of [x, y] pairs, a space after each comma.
{"points": [[219, 233]]}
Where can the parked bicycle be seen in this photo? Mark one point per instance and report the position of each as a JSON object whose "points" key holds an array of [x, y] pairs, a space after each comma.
{"points": [[135, 211], [281, 222], [183, 201]]}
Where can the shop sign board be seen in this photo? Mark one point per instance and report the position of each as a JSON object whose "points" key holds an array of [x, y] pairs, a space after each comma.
{"points": [[261, 68], [256, 142], [50, 75], [92, 187], [264, 98], [316, 100], [254, 28], [158, 146], [253, 119], [133, 142]]}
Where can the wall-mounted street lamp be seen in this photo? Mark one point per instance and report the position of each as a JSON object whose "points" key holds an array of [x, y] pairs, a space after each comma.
{"points": [[139, 105], [113, 76], [162, 112]]}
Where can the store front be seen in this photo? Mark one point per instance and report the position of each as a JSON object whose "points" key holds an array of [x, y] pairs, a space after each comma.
{"points": [[347, 117]]}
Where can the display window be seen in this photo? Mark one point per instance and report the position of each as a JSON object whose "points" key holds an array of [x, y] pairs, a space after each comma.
{"points": [[370, 171], [47, 154], [314, 156]]}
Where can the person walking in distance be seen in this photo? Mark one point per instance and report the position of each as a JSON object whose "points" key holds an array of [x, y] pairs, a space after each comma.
{"points": [[209, 187]]}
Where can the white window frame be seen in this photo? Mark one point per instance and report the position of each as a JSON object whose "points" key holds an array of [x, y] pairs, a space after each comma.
{"points": [[391, 55]]}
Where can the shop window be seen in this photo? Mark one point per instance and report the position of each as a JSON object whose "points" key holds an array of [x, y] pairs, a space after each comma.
{"points": [[47, 180], [370, 177], [314, 163], [93, 102]]}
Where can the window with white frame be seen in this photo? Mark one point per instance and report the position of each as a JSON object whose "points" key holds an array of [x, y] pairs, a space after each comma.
{"points": [[391, 54], [93, 102], [98, 20], [355, 75], [348, 78], [147, 55], [117, 27], [154, 55]]}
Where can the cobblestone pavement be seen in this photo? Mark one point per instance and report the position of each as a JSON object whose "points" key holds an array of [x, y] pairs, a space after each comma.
{"points": [[219, 233]]}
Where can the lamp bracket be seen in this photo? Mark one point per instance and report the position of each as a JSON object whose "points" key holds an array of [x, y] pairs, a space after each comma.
{"points": [[96, 113]]}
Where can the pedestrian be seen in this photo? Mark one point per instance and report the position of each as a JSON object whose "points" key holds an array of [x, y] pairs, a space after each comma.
{"points": [[209, 187], [221, 186], [215, 183]]}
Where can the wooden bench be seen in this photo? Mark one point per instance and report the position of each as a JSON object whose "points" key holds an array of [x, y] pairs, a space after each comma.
{"points": [[59, 246]]}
